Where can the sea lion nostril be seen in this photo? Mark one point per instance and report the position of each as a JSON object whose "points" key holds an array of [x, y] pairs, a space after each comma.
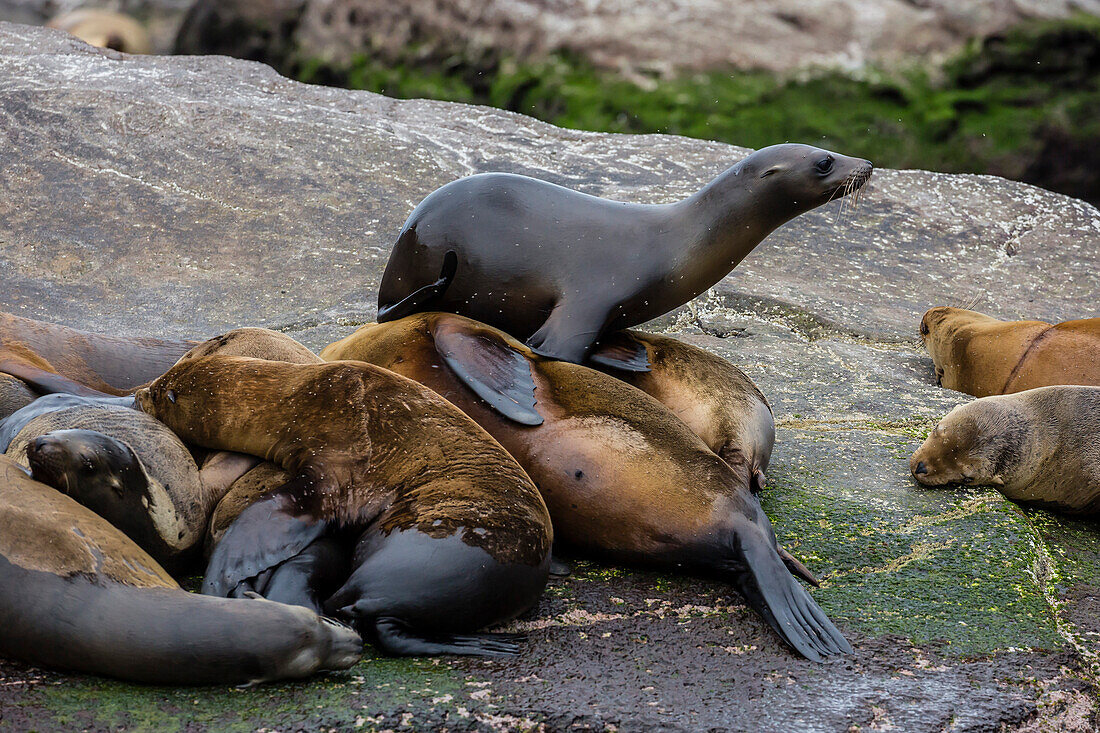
{"points": [[921, 468]]}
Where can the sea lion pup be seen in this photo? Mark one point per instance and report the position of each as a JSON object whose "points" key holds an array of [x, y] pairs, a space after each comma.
{"points": [[622, 477], [1039, 446], [129, 469], [453, 536], [76, 594], [710, 395], [982, 355], [113, 365], [105, 29], [559, 268]]}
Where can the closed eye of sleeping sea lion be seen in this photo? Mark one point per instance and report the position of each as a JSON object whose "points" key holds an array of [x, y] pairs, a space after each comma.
{"points": [[710, 395], [76, 594], [622, 476], [981, 355], [559, 268], [453, 536], [113, 365], [1039, 446]]}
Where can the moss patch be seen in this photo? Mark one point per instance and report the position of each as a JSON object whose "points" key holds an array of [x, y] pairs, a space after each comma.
{"points": [[1024, 105]]}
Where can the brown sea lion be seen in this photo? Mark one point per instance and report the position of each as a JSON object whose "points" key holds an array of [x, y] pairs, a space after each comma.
{"points": [[622, 477], [559, 268], [76, 594], [711, 396], [981, 355], [129, 469], [1040, 446], [452, 534], [105, 29], [14, 395], [113, 365]]}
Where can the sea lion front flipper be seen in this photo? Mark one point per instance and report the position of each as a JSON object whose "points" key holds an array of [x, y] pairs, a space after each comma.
{"points": [[419, 299], [394, 638], [45, 381], [495, 372], [568, 332], [620, 350], [267, 533]]}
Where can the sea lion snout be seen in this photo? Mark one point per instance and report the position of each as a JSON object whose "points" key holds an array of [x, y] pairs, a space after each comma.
{"points": [[920, 468]]}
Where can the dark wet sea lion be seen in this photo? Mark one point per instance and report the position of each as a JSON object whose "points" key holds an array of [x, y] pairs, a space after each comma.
{"points": [[110, 364], [711, 396], [622, 477], [76, 594], [131, 470], [558, 268], [1039, 446], [453, 534], [981, 355]]}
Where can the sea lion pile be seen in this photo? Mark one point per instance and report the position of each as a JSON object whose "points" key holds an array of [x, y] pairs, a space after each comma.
{"points": [[407, 485]]}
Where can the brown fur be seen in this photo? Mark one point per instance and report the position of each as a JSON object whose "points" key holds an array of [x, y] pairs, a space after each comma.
{"points": [[1039, 446], [715, 399], [14, 395], [385, 449], [619, 473], [45, 530], [114, 365], [981, 355], [243, 493]]}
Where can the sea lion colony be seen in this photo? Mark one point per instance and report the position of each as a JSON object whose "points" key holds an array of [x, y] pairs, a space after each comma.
{"points": [[414, 492]]}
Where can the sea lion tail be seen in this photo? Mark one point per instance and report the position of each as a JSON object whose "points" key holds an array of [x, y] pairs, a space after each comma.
{"points": [[771, 589], [418, 300], [47, 382]]}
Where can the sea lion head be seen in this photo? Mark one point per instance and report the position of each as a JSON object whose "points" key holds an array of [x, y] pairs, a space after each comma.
{"points": [[805, 176], [101, 472], [940, 330], [981, 443]]}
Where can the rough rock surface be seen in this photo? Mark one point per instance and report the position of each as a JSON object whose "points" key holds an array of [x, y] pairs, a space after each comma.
{"points": [[667, 34], [185, 196]]}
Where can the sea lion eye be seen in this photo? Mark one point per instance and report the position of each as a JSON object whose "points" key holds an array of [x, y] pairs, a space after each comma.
{"points": [[171, 395], [923, 328], [824, 165]]}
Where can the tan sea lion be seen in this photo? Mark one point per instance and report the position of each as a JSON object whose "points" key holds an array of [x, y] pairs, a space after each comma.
{"points": [[710, 395], [105, 29], [1038, 446], [452, 534], [622, 476], [559, 268], [113, 365], [14, 395], [76, 594], [982, 355]]}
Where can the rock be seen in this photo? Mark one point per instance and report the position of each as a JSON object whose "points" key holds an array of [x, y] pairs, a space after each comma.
{"points": [[664, 35], [184, 196]]}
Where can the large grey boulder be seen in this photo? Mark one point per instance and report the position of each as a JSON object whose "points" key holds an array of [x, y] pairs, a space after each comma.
{"points": [[185, 196]]}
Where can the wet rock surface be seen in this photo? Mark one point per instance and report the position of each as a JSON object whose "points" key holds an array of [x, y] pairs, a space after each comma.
{"points": [[186, 196]]}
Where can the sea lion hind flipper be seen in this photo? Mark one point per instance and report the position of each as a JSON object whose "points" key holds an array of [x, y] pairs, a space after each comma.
{"points": [[494, 371], [416, 301], [786, 606], [47, 382], [619, 350], [267, 533], [395, 638]]}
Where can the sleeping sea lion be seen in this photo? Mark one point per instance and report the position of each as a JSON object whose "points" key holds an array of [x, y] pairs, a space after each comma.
{"points": [[559, 268], [452, 534], [982, 355], [129, 469], [711, 396], [76, 594], [1039, 446], [114, 365], [621, 475], [14, 395]]}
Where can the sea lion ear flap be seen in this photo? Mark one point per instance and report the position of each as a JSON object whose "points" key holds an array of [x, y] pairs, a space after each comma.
{"points": [[495, 372], [620, 350]]}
